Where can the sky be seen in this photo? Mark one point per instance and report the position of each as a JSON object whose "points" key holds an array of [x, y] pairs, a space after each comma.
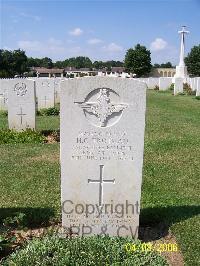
{"points": [[99, 29]]}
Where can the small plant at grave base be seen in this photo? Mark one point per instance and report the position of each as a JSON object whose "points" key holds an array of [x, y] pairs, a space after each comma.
{"points": [[181, 93], [27, 136], [171, 87], [197, 97], [17, 221], [156, 88], [96, 250], [3, 113], [188, 89], [7, 243], [48, 111]]}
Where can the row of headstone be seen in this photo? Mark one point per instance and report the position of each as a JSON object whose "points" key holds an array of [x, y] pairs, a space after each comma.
{"points": [[194, 84], [164, 83], [47, 92], [150, 82]]}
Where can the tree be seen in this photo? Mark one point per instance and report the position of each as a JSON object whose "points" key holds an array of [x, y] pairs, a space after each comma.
{"points": [[12, 63], [80, 62], [19, 62], [192, 61], [46, 62], [138, 60], [166, 65]]}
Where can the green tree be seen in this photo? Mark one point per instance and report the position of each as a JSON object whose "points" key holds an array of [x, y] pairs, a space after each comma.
{"points": [[98, 64], [80, 62], [166, 65], [33, 62], [138, 60], [163, 65], [192, 61], [19, 62], [46, 62], [12, 63]]}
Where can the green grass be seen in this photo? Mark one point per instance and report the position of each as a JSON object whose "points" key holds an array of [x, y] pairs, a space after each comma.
{"points": [[30, 182], [90, 251], [171, 189], [42, 122]]}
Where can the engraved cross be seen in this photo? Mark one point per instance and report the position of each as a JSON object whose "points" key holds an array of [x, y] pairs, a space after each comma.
{"points": [[21, 115], [45, 101], [101, 181]]}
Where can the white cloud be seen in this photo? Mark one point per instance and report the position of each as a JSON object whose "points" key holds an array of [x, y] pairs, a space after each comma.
{"points": [[76, 32], [94, 41], [51, 45], [113, 48], [158, 44], [30, 45], [36, 18]]}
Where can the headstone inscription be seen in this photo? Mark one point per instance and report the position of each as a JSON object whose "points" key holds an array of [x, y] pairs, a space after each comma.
{"points": [[21, 104], [102, 138]]}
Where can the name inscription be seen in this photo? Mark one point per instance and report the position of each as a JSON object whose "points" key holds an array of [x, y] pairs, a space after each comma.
{"points": [[102, 145]]}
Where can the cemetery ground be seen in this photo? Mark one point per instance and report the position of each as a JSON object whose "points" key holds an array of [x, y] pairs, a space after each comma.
{"points": [[30, 176]]}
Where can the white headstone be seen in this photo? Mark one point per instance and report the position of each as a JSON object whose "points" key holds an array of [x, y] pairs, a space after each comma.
{"points": [[164, 83], [45, 92], [21, 104], [195, 84], [198, 87], [4, 94], [178, 86], [102, 138], [57, 82], [152, 82]]}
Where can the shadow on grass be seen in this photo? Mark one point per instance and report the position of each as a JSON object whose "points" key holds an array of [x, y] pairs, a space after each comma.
{"points": [[26, 217], [155, 222]]}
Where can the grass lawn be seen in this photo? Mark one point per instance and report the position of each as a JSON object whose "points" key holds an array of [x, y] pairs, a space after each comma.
{"points": [[42, 122], [30, 182]]}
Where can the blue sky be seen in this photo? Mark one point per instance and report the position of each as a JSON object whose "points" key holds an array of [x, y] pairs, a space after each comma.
{"points": [[100, 29]]}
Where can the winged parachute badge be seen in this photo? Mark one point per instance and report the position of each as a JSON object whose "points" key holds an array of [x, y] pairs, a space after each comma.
{"points": [[102, 108]]}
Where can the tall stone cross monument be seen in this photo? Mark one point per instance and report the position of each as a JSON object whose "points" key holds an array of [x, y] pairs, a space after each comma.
{"points": [[181, 69]]}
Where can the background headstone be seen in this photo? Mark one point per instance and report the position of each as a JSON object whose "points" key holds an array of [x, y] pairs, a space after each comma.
{"points": [[152, 82], [45, 92], [178, 86], [57, 82], [198, 87], [4, 94], [164, 83], [102, 138], [21, 104]]}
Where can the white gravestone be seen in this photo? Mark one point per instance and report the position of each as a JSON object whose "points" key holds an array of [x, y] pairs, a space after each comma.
{"points": [[102, 139], [57, 82], [198, 87], [21, 104], [152, 82], [45, 92], [4, 94], [178, 86], [164, 83], [195, 84]]}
